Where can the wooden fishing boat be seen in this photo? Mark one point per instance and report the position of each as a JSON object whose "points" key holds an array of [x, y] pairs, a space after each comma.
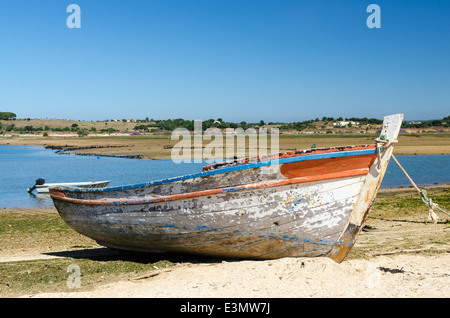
{"points": [[295, 204], [44, 188]]}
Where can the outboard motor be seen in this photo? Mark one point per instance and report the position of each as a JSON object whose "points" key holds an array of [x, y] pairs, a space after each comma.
{"points": [[37, 182]]}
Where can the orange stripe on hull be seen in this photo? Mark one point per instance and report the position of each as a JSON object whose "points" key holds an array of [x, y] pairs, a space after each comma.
{"points": [[58, 195], [326, 166]]}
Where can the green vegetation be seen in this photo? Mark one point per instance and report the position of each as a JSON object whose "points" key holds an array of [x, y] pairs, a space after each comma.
{"points": [[82, 133], [329, 125], [171, 124], [17, 224], [409, 204], [300, 125], [52, 275], [41, 229], [7, 116], [445, 122]]}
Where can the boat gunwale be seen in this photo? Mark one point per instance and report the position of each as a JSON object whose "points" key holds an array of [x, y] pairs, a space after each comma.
{"points": [[320, 153], [72, 184]]}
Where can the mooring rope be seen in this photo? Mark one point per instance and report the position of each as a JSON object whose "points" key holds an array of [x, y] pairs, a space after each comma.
{"points": [[423, 194], [383, 143]]}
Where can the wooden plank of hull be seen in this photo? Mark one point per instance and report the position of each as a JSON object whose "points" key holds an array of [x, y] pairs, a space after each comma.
{"points": [[324, 166], [294, 220]]}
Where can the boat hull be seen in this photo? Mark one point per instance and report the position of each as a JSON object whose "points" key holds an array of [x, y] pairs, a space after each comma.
{"points": [[304, 219]]}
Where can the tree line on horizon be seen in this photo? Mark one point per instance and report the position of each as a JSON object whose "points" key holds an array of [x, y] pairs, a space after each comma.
{"points": [[171, 124], [7, 116]]}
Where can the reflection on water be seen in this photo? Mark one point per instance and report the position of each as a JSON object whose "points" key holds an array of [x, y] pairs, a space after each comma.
{"points": [[42, 198]]}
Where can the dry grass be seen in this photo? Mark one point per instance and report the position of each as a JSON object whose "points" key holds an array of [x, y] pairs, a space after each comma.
{"points": [[159, 146], [62, 123], [398, 223]]}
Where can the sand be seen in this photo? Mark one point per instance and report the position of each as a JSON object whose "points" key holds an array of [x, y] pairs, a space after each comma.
{"points": [[384, 276], [397, 258]]}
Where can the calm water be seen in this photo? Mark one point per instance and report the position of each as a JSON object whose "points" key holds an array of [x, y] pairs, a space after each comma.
{"points": [[20, 166]]}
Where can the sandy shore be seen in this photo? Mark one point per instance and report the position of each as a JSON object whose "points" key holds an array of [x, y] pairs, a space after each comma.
{"points": [[397, 257], [384, 276]]}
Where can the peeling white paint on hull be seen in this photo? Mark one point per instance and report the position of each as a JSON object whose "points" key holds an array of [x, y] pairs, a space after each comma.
{"points": [[300, 220]]}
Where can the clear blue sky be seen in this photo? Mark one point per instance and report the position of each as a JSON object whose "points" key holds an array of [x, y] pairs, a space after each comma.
{"points": [[275, 60]]}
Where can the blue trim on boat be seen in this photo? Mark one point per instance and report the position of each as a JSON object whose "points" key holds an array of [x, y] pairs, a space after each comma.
{"points": [[232, 168]]}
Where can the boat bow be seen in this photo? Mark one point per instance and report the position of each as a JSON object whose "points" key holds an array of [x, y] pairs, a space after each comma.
{"points": [[388, 135]]}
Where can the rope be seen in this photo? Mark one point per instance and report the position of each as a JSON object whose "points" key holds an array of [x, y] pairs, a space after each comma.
{"points": [[383, 143], [423, 194]]}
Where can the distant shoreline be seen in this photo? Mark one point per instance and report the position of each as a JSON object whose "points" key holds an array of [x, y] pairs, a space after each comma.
{"points": [[160, 147]]}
